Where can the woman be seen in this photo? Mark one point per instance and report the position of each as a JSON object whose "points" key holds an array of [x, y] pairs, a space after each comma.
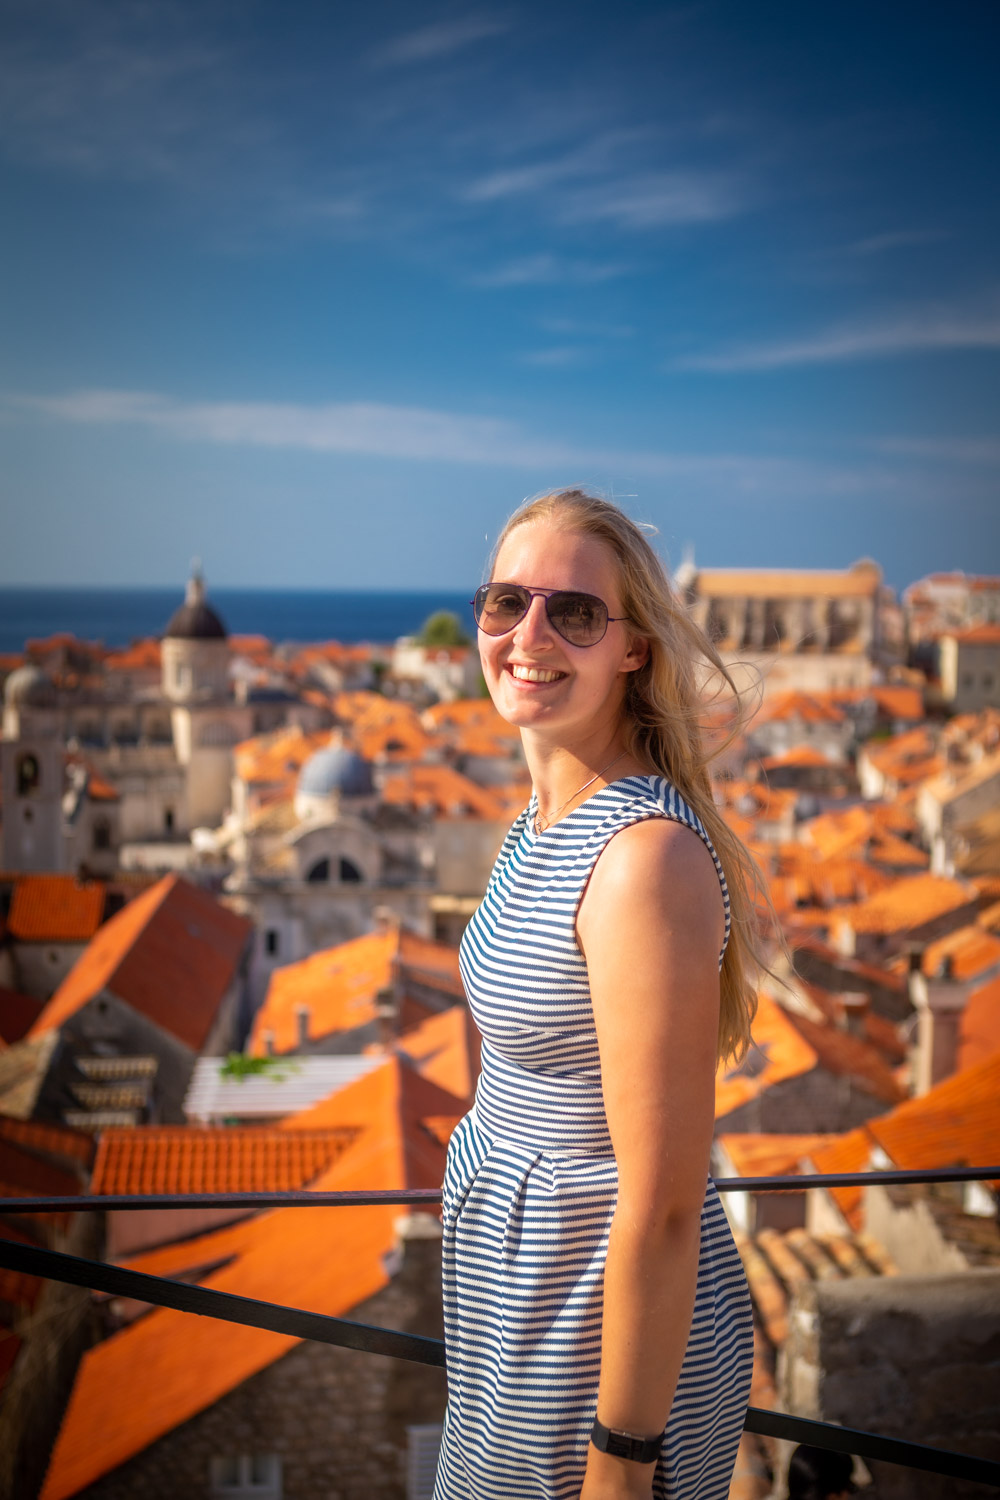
{"points": [[597, 1318]]}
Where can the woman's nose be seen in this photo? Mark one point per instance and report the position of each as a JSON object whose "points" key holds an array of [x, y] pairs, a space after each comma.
{"points": [[535, 628]]}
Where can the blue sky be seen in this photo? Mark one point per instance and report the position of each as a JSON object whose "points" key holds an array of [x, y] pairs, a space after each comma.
{"points": [[318, 292]]}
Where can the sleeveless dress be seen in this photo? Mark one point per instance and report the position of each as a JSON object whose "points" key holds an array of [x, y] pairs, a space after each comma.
{"points": [[530, 1190]]}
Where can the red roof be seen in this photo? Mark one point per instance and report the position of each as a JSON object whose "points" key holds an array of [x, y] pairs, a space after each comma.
{"points": [[185, 1159], [171, 1366], [170, 954], [55, 909]]}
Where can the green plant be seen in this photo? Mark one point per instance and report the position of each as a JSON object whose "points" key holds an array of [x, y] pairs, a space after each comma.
{"points": [[238, 1067]]}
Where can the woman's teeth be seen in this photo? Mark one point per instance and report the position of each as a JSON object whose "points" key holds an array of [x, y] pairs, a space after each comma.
{"points": [[534, 674]]}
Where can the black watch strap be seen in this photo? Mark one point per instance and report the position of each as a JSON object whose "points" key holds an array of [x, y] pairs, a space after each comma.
{"points": [[640, 1450]]}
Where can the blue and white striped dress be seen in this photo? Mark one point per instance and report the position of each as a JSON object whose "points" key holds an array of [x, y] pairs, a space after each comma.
{"points": [[530, 1191]]}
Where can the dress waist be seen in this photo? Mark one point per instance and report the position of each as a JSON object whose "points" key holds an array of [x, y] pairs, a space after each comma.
{"points": [[559, 1114]]}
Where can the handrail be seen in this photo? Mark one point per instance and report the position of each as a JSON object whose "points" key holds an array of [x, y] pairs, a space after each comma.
{"points": [[305, 1198], [300, 1323]]}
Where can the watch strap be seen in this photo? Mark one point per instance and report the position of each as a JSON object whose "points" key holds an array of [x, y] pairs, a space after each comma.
{"points": [[640, 1450]]}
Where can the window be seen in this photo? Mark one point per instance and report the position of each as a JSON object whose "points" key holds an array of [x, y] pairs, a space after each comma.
{"points": [[319, 872], [168, 820], [245, 1476], [29, 775], [422, 1444], [349, 872], [272, 941], [102, 835]]}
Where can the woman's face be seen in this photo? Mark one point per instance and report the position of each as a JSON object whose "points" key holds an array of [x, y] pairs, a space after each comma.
{"points": [[582, 687]]}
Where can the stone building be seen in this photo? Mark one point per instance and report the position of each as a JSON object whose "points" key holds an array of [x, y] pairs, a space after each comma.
{"points": [[803, 630]]}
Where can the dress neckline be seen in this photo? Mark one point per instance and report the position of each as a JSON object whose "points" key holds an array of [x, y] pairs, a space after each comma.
{"points": [[531, 809]]}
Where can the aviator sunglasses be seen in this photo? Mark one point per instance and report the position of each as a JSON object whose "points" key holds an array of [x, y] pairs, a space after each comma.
{"points": [[581, 619]]}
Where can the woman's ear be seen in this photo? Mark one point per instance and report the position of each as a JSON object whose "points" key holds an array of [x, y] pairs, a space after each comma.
{"points": [[637, 655]]}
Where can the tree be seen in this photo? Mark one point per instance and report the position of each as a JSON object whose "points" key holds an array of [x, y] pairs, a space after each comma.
{"points": [[443, 629]]}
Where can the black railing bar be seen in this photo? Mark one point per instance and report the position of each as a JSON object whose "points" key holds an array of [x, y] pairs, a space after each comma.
{"points": [[872, 1446], [304, 1198], [226, 1306]]}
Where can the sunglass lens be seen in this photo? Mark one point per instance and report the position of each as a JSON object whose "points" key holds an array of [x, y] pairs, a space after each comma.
{"points": [[581, 619], [498, 607]]}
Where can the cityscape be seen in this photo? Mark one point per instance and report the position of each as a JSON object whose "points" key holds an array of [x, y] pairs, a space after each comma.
{"points": [[300, 302], [234, 878]]}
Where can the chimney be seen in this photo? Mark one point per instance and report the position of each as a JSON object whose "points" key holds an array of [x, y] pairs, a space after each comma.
{"points": [[269, 1043], [853, 1010], [387, 1017], [302, 1015]]}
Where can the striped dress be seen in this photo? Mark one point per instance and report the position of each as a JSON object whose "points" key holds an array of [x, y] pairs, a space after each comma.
{"points": [[530, 1191]]}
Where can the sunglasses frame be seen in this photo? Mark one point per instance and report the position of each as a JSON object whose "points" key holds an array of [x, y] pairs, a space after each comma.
{"points": [[548, 595]]}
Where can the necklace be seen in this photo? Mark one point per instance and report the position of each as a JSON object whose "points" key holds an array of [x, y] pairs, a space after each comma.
{"points": [[542, 823]]}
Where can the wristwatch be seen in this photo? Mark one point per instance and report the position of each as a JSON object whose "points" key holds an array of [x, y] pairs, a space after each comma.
{"points": [[640, 1450]]}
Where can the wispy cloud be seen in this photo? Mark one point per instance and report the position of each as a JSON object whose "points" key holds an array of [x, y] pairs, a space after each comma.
{"points": [[558, 357], [898, 239], [545, 269], [920, 332], [655, 200], [443, 39], [416, 433], [949, 450]]}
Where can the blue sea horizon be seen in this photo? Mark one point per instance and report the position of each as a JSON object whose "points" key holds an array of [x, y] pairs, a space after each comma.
{"points": [[117, 616]]}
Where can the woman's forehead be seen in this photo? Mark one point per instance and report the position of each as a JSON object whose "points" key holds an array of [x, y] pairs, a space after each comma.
{"points": [[544, 555]]}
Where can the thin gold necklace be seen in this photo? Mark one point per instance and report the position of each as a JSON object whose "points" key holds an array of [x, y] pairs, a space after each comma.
{"points": [[542, 823]]}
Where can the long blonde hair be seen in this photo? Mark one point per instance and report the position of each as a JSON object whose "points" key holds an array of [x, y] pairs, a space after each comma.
{"points": [[666, 712]]}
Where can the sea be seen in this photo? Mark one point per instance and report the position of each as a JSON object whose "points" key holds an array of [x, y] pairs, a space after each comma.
{"points": [[119, 616]]}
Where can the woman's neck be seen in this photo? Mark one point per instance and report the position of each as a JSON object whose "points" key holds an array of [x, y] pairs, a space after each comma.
{"points": [[561, 773]]}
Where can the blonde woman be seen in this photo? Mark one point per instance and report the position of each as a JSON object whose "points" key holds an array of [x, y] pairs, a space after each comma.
{"points": [[597, 1318]]}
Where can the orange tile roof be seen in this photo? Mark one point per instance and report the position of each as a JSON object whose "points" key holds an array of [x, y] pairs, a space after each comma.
{"points": [[174, 1366], [277, 756], [799, 755], [845, 1153], [849, 1056], [339, 986], [811, 708], [186, 1159], [967, 952], [779, 1052], [55, 909], [445, 791], [141, 655], [908, 903], [979, 1027], [50, 1140], [446, 1049], [754, 1155], [978, 635], [170, 954]]}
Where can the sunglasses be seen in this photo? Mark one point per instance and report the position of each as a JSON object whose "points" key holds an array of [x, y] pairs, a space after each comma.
{"points": [[581, 619]]}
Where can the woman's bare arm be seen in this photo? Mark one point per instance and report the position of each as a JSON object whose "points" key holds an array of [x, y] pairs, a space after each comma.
{"points": [[651, 925]]}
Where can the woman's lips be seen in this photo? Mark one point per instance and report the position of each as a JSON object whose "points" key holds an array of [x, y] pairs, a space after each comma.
{"points": [[534, 674]]}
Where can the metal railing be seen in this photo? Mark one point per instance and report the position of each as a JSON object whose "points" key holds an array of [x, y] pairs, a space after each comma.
{"points": [[162, 1291]]}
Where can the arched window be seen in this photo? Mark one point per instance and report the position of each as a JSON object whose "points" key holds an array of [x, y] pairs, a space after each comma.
{"points": [[319, 872], [349, 872], [29, 775]]}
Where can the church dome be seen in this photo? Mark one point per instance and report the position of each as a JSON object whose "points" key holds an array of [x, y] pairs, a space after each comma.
{"points": [[336, 769], [196, 620], [29, 687]]}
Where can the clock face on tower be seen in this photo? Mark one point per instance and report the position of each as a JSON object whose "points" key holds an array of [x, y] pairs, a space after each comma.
{"points": [[29, 774]]}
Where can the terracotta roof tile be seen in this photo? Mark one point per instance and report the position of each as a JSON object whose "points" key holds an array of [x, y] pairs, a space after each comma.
{"points": [[849, 1056], [909, 903], [446, 1049], [979, 1028], [444, 791], [277, 756], [339, 987], [55, 909], [175, 1366], [170, 954], [762, 1155], [143, 655], [845, 1153], [185, 1159], [778, 1052], [860, 581], [962, 954], [978, 635]]}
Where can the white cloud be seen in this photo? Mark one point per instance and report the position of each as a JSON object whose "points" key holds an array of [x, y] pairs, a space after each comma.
{"points": [[423, 434], [429, 43], [922, 332], [655, 200], [545, 269], [898, 239], [985, 451], [557, 357]]}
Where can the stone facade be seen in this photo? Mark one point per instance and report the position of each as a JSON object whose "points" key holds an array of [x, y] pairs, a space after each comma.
{"points": [[910, 1357], [336, 1418]]}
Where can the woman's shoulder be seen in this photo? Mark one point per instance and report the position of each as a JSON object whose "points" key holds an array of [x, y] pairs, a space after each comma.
{"points": [[640, 797]]}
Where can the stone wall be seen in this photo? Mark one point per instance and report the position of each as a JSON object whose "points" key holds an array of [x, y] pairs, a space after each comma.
{"points": [[337, 1418], [913, 1357]]}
